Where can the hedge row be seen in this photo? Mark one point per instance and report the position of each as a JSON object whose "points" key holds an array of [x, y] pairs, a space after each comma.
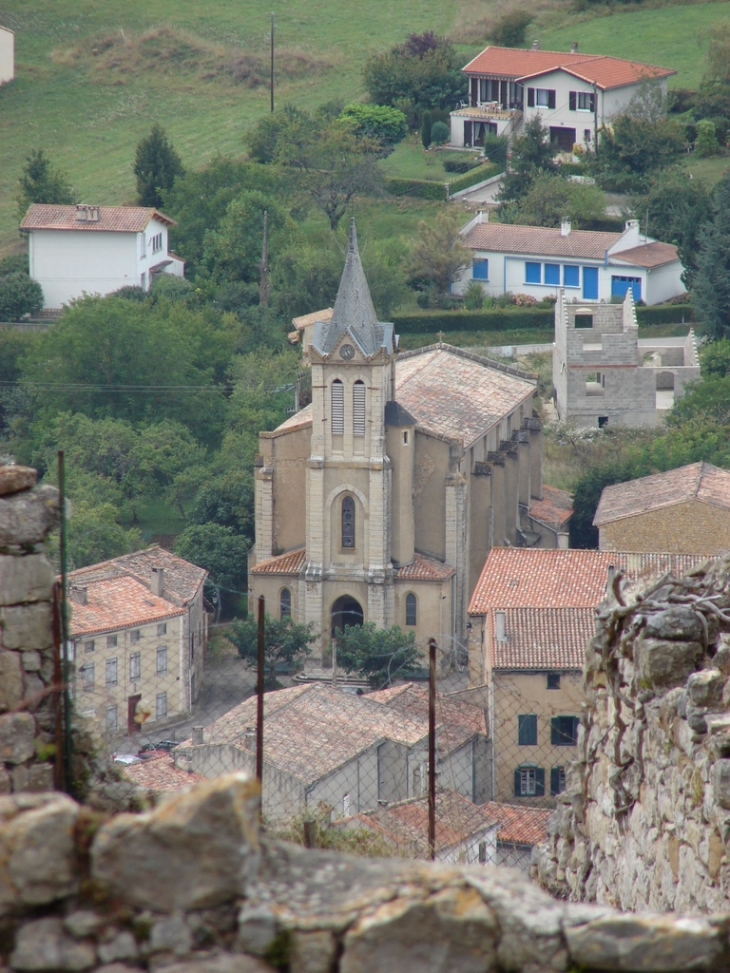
{"points": [[510, 319], [418, 188], [474, 176]]}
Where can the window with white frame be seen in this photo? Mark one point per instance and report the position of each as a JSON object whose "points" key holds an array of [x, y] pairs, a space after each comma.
{"points": [[161, 660], [581, 101], [345, 805], [111, 718], [161, 706], [111, 672], [157, 243], [89, 646], [88, 677], [134, 635], [162, 628], [135, 666], [541, 98], [111, 641]]}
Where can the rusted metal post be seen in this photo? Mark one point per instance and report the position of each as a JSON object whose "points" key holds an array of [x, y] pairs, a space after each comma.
{"points": [[432, 749], [260, 695], [64, 627]]}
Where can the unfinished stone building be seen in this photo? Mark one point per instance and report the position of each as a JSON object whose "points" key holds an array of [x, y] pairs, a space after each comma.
{"points": [[602, 375]]}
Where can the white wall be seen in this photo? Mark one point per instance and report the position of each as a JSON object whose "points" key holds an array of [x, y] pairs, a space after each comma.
{"points": [[7, 55], [664, 282], [67, 263]]}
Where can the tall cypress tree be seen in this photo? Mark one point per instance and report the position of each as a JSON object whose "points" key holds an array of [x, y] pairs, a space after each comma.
{"points": [[156, 164], [41, 183], [712, 280]]}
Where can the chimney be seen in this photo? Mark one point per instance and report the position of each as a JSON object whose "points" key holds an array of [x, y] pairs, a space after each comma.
{"points": [[197, 736], [565, 228], [157, 582], [535, 46], [79, 595], [500, 627], [574, 47], [611, 574], [87, 214]]}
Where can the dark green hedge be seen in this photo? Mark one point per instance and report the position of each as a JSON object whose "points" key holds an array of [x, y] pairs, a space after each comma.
{"points": [[665, 314], [474, 176], [419, 188], [497, 319]]}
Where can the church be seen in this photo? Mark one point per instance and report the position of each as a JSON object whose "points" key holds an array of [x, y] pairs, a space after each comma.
{"points": [[380, 500]]}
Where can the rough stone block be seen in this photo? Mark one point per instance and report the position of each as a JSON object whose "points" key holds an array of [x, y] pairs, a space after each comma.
{"points": [[38, 861], [678, 622], [257, 929], [705, 688], [171, 934], [28, 517], [721, 782], [43, 945], [25, 578], [13, 479], [313, 952], [226, 963], [11, 681], [196, 850], [32, 661], [17, 731], [122, 946], [450, 932], [5, 783], [665, 663], [27, 627], [33, 690], [647, 945], [83, 923]]}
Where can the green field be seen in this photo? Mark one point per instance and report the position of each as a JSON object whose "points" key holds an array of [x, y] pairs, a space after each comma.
{"points": [[672, 36], [91, 77]]}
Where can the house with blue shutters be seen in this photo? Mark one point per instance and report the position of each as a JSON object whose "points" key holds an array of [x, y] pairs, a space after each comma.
{"points": [[590, 265]]}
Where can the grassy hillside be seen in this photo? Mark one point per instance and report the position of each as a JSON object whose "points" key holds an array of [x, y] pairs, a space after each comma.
{"points": [[672, 36], [92, 77]]}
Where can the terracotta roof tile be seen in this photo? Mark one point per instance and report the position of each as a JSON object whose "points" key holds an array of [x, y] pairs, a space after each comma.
{"points": [[312, 318], [112, 219], [115, 603], [606, 71], [555, 509], [545, 638], [423, 568], [648, 255], [460, 721], [519, 825], [540, 241], [406, 822], [159, 774], [515, 577], [290, 563], [182, 579], [698, 481], [297, 421]]}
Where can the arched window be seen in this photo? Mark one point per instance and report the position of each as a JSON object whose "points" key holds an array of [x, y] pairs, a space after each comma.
{"points": [[358, 409], [348, 522], [338, 408], [285, 604], [410, 609]]}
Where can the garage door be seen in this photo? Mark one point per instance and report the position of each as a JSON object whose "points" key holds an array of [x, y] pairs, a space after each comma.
{"points": [[619, 286]]}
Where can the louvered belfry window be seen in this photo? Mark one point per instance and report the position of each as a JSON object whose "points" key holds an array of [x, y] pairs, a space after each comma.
{"points": [[348, 522], [338, 408], [358, 409]]}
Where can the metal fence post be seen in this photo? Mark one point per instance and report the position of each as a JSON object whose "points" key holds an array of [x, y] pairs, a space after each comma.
{"points": [[260, 695], [64, 629], [432, 749]]}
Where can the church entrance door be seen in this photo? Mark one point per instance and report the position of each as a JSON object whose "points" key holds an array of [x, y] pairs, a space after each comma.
{"points": [[345, 611]]}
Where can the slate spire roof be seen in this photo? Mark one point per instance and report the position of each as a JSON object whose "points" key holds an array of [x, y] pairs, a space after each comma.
{"points": [[353, 312]]}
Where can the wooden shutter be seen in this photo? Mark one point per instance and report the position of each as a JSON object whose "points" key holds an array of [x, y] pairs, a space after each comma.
{"points": [[556, 737], [530, 97], [554, 781], [358, 409], [518, 783], [539, 782], [593, 102], [572, 100], [338, 408], [551, 98]]}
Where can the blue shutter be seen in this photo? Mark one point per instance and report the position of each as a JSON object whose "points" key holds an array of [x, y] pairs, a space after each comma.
{"points": [[518, 784], [590, 283], [527, 730], [552, 274], [571, 276], [554, 781], [480, 269], [533, 273], [539, 782]]}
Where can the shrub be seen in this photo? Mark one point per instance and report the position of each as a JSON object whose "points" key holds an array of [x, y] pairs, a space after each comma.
{"points": [[19, 295], [426, 123], [386, 125], [474, 297], [418, 188], [707, 143], [509, 31], [462, 165], [15, 262], [440, 133], [495, 149], [473, 177]]}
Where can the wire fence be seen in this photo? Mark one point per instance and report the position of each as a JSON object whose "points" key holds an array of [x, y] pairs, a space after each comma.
{"points": [[426, 768]]}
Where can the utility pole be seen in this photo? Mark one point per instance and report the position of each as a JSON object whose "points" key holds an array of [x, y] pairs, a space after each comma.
{"points": [[264, 284], [272, 63], [595, 118], [432, 749]]}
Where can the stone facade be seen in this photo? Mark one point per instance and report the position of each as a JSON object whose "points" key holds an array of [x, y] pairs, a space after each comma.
{"points": [[645, 821], [27, 700], [195, 887], [683, 528]]}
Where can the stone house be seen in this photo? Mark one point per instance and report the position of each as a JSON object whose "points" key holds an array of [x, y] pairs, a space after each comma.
{"points": [[531, 616], [573, 94], [138, 635], [465, 833], [7, 55], [602, 376], [77, 250], [520, 829], [380, 500], [686, 510], [588, 265]]}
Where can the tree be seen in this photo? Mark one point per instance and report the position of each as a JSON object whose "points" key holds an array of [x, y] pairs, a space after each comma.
{"points": [[440, 133], [41, 183], [532, 155], [381, 654], [510, 29], [715, 358], [634, 147], [156, 166], [552, 199], [94, 534], [218, 549], [712, 280], [382, 123], [19, 295], [438, 254], [286, 644], [707, 143], [233, 251]]}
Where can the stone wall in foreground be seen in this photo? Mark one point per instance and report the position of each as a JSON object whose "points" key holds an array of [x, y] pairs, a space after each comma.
{"points": [[645, 820], [194, 887]]}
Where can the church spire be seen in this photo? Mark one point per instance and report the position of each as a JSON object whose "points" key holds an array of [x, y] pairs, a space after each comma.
{"points": [[353, 311]]}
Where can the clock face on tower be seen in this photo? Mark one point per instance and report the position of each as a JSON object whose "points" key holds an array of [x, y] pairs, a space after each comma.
{"points": [[347, 352]]}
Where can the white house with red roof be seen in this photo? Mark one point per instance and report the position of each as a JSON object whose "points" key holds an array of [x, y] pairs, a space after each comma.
{"points": [[589, 265], [574, 94], [77, 250], [7, 55]]}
